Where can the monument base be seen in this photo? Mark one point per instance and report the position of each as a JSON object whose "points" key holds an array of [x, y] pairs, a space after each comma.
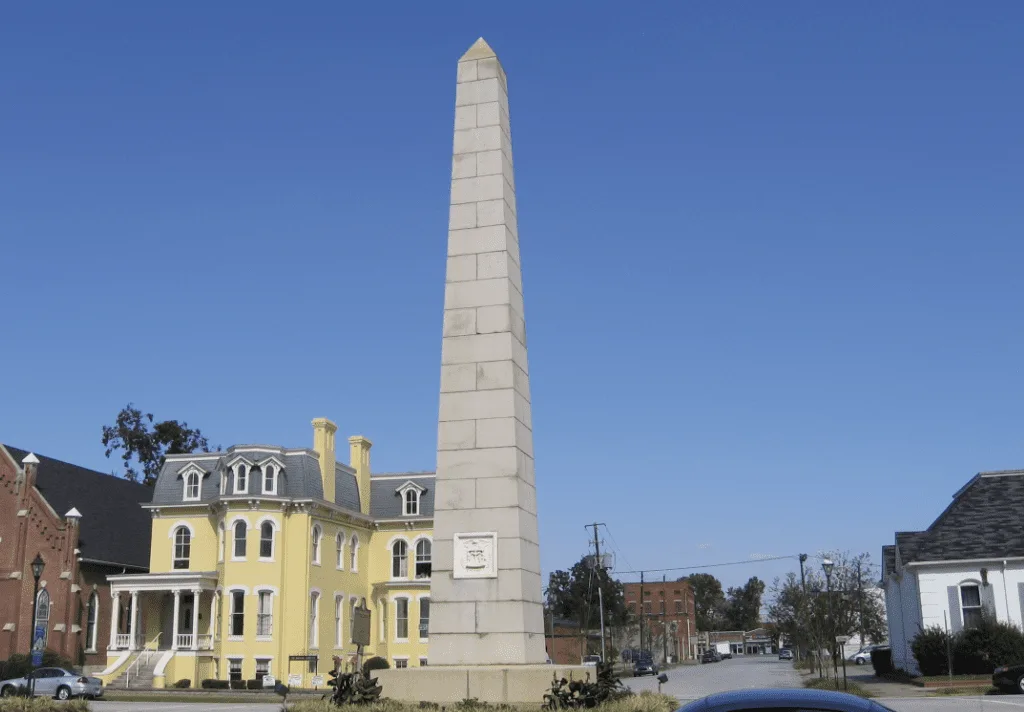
{"points": [[487, 683]]}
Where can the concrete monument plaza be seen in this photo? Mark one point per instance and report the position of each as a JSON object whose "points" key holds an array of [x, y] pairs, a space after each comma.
{"points": [[486, 619]]}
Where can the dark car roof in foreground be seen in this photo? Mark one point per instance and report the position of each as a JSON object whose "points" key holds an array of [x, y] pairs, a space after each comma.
{"points": [[768, 698]]}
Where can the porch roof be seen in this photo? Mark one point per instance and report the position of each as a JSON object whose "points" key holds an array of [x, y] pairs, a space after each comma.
{"points": [[170, 581]]}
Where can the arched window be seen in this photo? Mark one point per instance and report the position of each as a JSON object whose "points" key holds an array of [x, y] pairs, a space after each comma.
{"points": [[339, 608], [240, 531], [339, 544], [267, 540], [43, 613], [423, 549], [241, 478], [353, 554], [412, 502], [191, 486], [400, 559], [92, 621], [182, 547], [317, 536], [970, 604]]}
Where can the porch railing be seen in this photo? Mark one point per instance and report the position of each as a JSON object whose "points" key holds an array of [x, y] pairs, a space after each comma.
{"points": [[184, 641], [145, 654], [123, 641], [206, 642]]}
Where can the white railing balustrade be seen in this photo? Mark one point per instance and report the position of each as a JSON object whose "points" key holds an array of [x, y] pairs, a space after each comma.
{"points": [[206, 642], [122, 641], [184, 641]]}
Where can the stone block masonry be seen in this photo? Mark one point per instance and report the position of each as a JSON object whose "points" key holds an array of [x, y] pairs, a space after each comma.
{"points": [[486, 594]]}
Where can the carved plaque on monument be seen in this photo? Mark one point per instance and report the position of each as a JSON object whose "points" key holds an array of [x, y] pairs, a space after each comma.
{"points": [[476, 555]]}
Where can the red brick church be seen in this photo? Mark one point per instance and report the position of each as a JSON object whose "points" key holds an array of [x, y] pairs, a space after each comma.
{"points": [[85, 525]]}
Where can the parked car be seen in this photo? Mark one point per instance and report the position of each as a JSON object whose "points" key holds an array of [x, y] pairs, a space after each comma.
{"points": [[591, 659], [783, 701], [711, 656], [862, 656], [644, 667], [785, 654], [1009, 677], [55, 682]]}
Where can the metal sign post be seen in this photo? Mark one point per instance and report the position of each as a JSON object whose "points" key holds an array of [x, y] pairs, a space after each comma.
{"points": [[361, 631]]}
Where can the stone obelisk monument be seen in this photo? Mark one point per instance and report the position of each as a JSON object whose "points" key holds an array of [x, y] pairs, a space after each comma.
{"points": [[485, 589]]}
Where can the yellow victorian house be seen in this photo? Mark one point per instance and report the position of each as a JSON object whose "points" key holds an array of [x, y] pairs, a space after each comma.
{"points": [[259, 556]]}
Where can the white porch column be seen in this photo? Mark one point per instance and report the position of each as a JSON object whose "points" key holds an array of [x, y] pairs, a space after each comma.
{"points": [[174, 625], [115, 615], [213, 613], [195, 618], [133, 622]]}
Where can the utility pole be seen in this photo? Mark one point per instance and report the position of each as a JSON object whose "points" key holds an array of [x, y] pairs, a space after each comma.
{"points": [[664, 628], [803, 601], [643, 614], [860, 603], [604, 649], [599, 566]]}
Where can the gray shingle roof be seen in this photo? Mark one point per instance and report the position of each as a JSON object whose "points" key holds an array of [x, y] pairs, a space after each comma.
{"points": [[983, 521], [114, 527], [386, 502]]}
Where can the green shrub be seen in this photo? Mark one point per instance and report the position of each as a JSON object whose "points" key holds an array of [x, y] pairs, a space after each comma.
{"points": [[881, 661], [237, 684], [977, 651], [183, 684], [214, 684], [254, 684], [931, 650], [375, 663]]}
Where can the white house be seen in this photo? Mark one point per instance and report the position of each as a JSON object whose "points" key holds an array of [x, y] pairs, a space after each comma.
{"points": [[969, 561]]}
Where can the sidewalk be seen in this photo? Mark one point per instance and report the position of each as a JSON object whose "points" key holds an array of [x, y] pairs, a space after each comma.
{"points": [[877, 686]]}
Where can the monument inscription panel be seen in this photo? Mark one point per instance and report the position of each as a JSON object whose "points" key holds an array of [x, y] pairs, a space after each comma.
{"points": [[476, 555]]}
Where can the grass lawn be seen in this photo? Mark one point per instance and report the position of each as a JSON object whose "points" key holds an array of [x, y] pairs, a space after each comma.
{"points": [[826, 683]]}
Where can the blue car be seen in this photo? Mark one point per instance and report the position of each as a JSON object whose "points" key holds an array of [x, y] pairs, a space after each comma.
{"points": [[784, 701]]}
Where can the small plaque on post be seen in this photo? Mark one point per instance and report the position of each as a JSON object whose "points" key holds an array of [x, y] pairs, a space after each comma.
{"points": [[476, 555]]}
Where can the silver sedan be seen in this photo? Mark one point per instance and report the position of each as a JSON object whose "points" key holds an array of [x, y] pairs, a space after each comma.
{"points": [[55, 682]]}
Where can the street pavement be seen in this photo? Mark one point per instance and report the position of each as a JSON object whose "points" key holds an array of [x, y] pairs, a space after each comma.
{"points": [[173, 706]]}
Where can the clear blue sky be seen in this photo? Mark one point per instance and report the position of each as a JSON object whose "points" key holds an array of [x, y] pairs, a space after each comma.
{"points": [[772, 251]]}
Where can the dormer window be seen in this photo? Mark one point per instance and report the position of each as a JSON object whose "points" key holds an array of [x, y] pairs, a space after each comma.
{"points": [[241, 478], [269, 470], [192, 482], [410, 493]]}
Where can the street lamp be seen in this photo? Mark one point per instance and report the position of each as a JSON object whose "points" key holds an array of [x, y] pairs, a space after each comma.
{"points": [[827, 565], [37, 572]]}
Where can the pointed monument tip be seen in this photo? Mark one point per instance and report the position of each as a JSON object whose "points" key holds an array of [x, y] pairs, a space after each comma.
{"points": [[479, 50]]}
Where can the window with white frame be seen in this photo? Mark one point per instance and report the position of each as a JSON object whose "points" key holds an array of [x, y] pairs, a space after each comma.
{"points": [[353, 554], [318, 534], [352, 619], [262, 668], [182, 547], [400, 560], [401, 663], [402, 618], [339, 630], [269, 478], [235, 669], [339, 545], [240, 529], [424, 628], [314, 619], [191, 486], [265, 614], [423, 551], [92, 621], [412, 502], [970, 604], [267, 540], [423, 662], [241, 478], [237, 613]]}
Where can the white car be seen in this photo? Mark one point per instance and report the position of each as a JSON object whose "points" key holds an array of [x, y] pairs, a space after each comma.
{"points": [[862, 656]]}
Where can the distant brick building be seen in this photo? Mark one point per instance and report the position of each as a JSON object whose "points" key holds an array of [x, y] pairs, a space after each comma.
{"points": [[85, 525], [565, 644], [668, 613]]}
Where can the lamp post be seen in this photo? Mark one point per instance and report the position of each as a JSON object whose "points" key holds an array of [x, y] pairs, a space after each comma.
{"points": [[827, 566], [37, 572]]}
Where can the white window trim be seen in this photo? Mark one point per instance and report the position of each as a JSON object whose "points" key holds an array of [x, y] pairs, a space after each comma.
{"points": [[264, 467], [92, 635], [339, 620], [960, 596], [172, 535], [353, 601], [273, 538], [414, 557], [408, 610], [353, 554], [186, 476], [407, 486], [241, 470], [419, 602], [316, 533], [313, 621], [391, 558], [248, 528], [396, 658], [268, 659], [231, 612], [272, 590], [341, 551]]}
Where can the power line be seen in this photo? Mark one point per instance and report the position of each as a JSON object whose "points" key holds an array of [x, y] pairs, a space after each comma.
{"points": [[618, 549], [710, 566]]}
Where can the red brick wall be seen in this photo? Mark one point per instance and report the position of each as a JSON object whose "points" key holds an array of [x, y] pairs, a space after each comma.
{"points": [[667, 592], [28, 525], [565, 645]]}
